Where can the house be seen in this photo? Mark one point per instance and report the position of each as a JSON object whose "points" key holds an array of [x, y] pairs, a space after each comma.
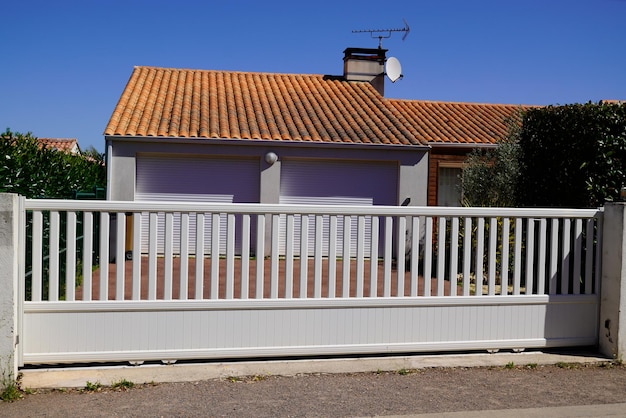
{"points": [[245, 137], [224, 136], [69, 145], [453, 130]]}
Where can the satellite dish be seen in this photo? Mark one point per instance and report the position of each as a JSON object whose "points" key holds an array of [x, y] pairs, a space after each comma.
{"points": [[393, 69]]}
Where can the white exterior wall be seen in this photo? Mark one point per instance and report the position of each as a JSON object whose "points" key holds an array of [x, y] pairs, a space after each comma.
{"points": [[412, 179]]}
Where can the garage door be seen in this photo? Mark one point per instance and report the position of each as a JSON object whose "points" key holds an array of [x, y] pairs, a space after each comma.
{"points": [[194, 179], [337, 182]]}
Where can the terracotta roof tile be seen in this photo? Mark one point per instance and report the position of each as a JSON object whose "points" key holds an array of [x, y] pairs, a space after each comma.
{"points": [[62, 144], [162, 102], [459, 123]]}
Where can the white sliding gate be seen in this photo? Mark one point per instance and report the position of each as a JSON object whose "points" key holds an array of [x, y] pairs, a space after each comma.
{"points": [[456, 279]]}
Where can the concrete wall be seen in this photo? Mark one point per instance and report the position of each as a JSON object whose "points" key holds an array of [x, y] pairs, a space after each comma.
{"points": [[9, 256], [612, 338]]}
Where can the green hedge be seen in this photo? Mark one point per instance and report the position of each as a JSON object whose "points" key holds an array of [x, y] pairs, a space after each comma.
{"points": [[572, 155], [33, 171]]}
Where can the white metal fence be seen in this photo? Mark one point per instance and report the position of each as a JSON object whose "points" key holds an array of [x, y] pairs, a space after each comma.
{"points": [[302, 279]]}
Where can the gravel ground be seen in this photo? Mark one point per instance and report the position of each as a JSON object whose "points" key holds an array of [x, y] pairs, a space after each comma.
{"points": [[341, 395]]}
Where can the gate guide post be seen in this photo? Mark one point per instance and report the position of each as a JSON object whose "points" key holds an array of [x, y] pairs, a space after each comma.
{"points": [[612, 327], [9, 256]]}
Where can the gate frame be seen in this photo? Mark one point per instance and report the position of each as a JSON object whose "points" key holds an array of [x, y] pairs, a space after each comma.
{"points": [[611, 338]]}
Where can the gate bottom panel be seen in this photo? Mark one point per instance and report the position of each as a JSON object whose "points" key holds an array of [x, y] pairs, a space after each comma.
{"points": [[77, 332]]}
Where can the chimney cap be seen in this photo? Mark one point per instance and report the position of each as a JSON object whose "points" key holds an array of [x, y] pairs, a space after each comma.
{"points": [[375, 51]]}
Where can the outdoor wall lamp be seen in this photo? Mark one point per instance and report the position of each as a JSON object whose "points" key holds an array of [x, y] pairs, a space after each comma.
{"points": [[271, 158]]}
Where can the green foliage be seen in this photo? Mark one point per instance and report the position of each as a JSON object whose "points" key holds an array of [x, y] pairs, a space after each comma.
{"points": [[122, 384], [93, 387], [572, 155], [10, 387], [33, 171], [11, 393], [490, 176]]}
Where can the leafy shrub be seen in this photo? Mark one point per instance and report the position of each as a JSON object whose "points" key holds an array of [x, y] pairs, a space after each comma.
{"points": [[490, 177], [33, 171], [572, 155]]}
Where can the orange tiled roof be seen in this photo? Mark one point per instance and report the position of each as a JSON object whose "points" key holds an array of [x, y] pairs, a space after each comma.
{"points": [[457, 123], [62, 144], [162, 102]]}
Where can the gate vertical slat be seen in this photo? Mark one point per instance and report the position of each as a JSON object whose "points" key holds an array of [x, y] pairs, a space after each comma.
{"points": [[374, 257], [504, 274], [245, 256], [541, 267], [215, 256], [493, 245], [332, 256], [230, 256], [345, 254], [415, 250], [565, 259], [104, 256], [119, 255], [152, 256], [360, 256], [517, 274], [137, 234], [37, 269], [578, 248], [317, 256], [454, 255], [387, 258], [168, 256], [530, 255], [70, 265], [53, 257], [304, 255], [589, 257], [199, 273], [183, 277], [274, 256], [87, 254], [554, 256], [401, 255], [260, 256], [598, 255], [467, 255], [428, 254], [441, 254], [480, 250], [289, 255]]}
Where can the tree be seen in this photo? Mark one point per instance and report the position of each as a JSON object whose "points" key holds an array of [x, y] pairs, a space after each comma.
{"points": [[34, 171], [490, 177]]}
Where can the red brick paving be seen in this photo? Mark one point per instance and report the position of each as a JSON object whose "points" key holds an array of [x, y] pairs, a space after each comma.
{"points": [[128, 278]]}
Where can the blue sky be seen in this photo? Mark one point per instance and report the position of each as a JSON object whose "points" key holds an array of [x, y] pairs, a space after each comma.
{"points": [[65, 63]]}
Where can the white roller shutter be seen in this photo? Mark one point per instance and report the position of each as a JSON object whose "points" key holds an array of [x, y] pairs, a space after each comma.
{"points": [[195, 179], [336, 182]]}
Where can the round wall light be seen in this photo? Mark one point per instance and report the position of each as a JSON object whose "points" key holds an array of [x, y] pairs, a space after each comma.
{"points": [[271, 158]]}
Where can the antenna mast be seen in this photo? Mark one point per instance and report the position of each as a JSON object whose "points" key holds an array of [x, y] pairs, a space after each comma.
{"points": [[380, 37]]}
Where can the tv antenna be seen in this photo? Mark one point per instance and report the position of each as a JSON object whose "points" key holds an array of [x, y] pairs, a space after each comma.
{"points": [[388, 32]]}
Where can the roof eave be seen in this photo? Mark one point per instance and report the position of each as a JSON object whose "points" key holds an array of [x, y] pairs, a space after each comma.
{"points": [[260, 142]]}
